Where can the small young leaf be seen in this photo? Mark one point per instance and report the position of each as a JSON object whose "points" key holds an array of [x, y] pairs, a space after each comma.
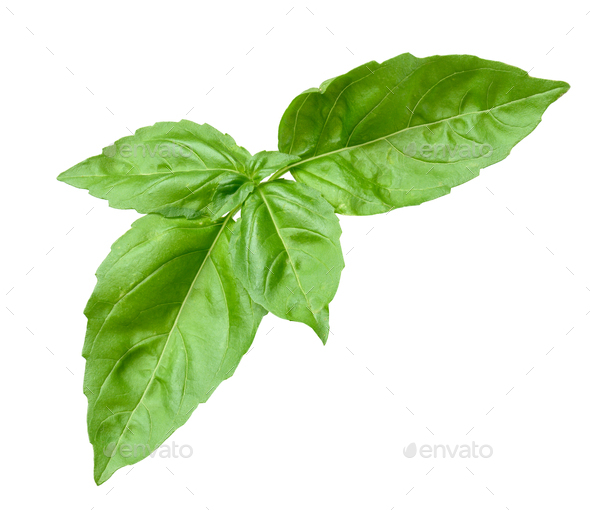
{"points": [[405, 131], [167, 322], [265, 163], [172, 168], [227, 197], [288, 254]]}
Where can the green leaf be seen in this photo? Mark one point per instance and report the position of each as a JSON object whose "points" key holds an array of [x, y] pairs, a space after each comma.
{"points": [[227, 197], [172, 168], [265, 163], [287, 253], [167, 322], [405, 131]]}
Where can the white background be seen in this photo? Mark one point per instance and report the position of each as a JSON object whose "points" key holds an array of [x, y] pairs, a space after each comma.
{"points": [[464, 319]]}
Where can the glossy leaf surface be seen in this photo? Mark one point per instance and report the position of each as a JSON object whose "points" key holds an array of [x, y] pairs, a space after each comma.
{"points": [[172, 168], [405, 131], [288, 253], [167, 322]]}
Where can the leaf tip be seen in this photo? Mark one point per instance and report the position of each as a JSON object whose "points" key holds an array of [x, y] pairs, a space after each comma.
{"points": [[321, 325], [63, 177], [100, 475], [564, 86]]}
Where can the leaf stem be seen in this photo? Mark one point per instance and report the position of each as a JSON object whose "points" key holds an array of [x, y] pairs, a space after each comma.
{"points": [[274, 176], [283, 171], [232, 213]]}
